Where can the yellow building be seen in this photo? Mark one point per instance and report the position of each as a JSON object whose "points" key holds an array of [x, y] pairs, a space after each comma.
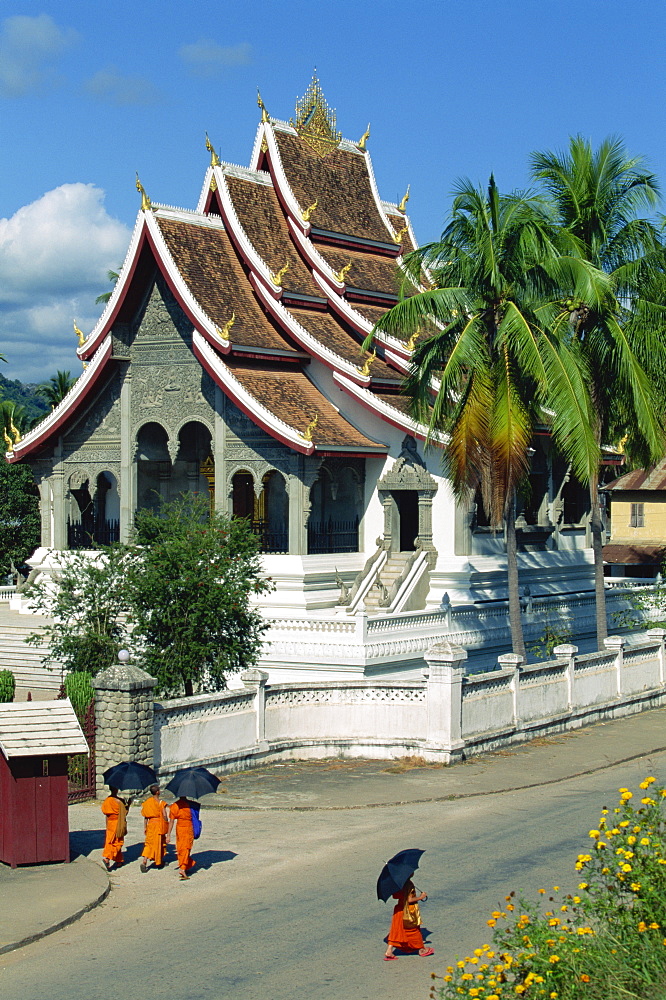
{"points": [[637, 545]]}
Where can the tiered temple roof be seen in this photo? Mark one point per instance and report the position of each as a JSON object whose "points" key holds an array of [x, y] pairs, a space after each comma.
{"points": [[289, 261]]}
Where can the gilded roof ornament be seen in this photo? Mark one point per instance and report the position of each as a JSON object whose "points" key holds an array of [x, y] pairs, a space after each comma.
{"points": [[9, 444], [264, 113], [264, 144], [365, 370], [316, 121], [225, 332], [14, 431], [146, 205], [80, 334], [397, 237], [213, 184], [214, 158], [342, 274], [402, 207], [411, 343], [307, 433], [364, 138], [277, 278], [305, 216]]}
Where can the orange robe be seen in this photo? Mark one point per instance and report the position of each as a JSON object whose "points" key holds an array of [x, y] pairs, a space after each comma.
{"points": [[155, 839], [405, 938], [181, 812], [113, 846]]}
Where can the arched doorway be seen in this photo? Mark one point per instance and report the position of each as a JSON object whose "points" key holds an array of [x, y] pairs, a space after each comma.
{"points": [[335, 507], [406, 492], [153, 466], [268, 513]]}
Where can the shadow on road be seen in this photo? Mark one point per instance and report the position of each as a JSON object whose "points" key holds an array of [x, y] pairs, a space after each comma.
{"points": [[206, 859]]}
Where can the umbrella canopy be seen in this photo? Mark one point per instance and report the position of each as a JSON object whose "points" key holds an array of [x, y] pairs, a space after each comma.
{"points": [[130, 775], [192, 783], [396, 871]]}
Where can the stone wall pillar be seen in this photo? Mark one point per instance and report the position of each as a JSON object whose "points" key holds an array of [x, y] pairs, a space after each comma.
{"points": [[617, 643], [123, 717], [659, 635], [446, 666], [568, 652], [513, 661]]}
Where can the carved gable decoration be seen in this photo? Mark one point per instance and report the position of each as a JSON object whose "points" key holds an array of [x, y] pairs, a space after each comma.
{"points": [[408, 472], [315, 121]]}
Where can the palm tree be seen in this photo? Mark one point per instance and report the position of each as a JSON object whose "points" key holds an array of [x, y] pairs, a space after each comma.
{"points": [[57, 387], [492, 362], [105, 296], [596, 196]]}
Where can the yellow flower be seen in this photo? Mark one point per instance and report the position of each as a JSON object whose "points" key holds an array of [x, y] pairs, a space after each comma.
{"points": [[654, 926], [625, 822], [647, 801], [553, 922], [642, 926], [467, 976], [631, 840], [556, 888], [576, 899], [626, 795], [553, 959], [582, 885], [594, 834], [635, 887], [564, 909], [447, 979], [661, 861], [461, 965], [644, 841], [584, 978], [626, 868], [491, 923], [510, 907], [552, 996]]}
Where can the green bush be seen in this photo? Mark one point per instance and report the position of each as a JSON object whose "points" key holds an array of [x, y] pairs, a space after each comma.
{"points": [[79, 690], [7, 685], [605, 942]]}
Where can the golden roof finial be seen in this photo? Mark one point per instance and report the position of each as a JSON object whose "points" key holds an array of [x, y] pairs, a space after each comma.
{"points": [[146, 205], [305, 216], [80, 334], [411, 343], [214, 158], [315, 120], [264, 113], [402, 207], [342, 274], [9, 444], [15, 432], [277, 278], [364, 138], [307, 433], [365, 370], [225, 332], [397, 237]]}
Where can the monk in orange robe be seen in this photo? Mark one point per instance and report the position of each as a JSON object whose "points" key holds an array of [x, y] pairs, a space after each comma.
{"points": [[115, 810], [406, 938], [181, 814], [155, 826]]}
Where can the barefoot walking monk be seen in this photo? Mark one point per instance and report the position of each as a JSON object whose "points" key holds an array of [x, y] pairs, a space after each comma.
{"points": [[155, 825], [181, 814], [115, 810], [405, 932]]}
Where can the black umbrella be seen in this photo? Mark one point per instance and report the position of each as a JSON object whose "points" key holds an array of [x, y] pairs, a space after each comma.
{"points": [[192, 783], [396, 871], [130, 775]]}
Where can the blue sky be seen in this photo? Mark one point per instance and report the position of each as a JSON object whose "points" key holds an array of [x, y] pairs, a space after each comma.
{"points": [[91, 93]]}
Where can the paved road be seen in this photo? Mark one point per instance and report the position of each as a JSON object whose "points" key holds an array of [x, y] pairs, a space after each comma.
{"points": [[283, 905]]}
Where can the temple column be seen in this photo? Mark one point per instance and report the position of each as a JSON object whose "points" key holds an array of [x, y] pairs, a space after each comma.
{"points": [[127, 486], [59, 540], [218, 445], [425, 520]]}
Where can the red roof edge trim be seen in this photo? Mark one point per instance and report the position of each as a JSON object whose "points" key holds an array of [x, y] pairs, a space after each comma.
{"points": [[249, 404], [63, 411], [306, 340], [109, 314], [282, 186], [375, 194], [388, 413]]}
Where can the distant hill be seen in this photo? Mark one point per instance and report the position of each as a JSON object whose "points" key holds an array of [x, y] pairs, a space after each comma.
{"points": [[23, 395]]}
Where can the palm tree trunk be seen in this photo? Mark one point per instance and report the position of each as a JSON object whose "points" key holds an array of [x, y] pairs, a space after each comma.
{"points": [[515, 621], [596, 528]]}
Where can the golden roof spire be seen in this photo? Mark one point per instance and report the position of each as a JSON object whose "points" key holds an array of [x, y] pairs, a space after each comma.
{"points": [[214, 158], [80, 334], [364, 138], [402, 207], [315, 120], [146, 205], [264, 113]]}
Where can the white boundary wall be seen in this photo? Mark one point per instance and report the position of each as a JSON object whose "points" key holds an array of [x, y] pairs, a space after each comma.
{"points": [[441, 717]]}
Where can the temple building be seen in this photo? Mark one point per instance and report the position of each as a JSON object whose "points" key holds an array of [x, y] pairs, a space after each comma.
{"points": [[229, 361]]}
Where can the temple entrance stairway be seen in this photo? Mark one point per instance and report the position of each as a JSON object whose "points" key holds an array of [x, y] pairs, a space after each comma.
{"points": [[25, 661], [388, 574]]}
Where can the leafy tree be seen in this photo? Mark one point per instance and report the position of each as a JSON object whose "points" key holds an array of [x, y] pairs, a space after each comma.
{"points": [[57, 387], [87, 609], [19, 515], [24, 396], [596, 196], [105, 296], [494, 358], [189, 591]]}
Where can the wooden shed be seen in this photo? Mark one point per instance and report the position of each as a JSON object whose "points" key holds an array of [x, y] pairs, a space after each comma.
{"points": [[35, 740]]}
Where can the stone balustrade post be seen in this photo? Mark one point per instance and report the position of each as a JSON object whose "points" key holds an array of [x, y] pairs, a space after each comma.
{"points": [[659, 635], [256, 680], [513, 661], [123, 718], [568, 652], [446, 666], [617, 643]]}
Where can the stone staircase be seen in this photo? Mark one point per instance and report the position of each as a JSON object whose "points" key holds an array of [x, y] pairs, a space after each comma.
{"points": [[389, 573], [25, 661]]}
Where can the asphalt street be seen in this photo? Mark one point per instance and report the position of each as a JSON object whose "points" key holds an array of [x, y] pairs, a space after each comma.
{"points": [[283, 903]]}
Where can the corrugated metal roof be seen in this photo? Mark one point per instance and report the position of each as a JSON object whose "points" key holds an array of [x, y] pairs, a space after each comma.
{"points": [[641, 479], [40, 728], [634, 553]]}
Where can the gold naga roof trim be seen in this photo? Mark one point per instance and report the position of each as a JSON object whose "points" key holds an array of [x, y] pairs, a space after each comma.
{"points": [[364, 138], [214, 158], [316, 121], [146, 204], [80, 334]]}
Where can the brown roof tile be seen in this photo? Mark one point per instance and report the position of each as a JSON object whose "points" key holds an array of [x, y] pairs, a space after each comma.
{"points": [[397, 400], [399, 222], [326, 329], [339, 182], [290, 395], [263, 220], [369, 271], [209, 266]]}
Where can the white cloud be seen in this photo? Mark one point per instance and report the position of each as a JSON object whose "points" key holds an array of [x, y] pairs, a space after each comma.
{"points": [[111, 86], [28, 45], [207, 59], [54, 255]]}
